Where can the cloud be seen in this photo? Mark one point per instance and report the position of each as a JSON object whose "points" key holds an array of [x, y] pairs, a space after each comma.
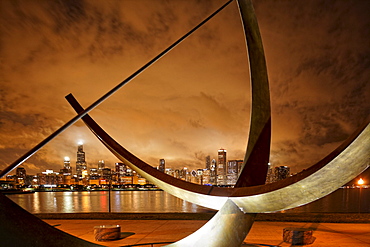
{"points": [[196, 99]]}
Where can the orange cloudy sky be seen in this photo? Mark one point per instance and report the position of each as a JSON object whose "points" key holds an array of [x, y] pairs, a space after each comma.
{"points": [[196, 99]]}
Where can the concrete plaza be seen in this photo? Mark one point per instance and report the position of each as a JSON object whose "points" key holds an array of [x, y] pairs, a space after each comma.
{"points": [[263, 233]]}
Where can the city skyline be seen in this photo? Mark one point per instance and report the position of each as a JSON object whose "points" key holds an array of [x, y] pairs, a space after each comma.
{"points": [[76, 162], [222, 171], [195, 100]]}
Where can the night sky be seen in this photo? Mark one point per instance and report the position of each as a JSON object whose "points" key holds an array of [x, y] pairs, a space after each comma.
{"points": [[196, 99]]}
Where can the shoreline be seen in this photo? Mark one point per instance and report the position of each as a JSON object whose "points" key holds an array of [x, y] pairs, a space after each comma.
{"points": [[273, 217], [11, 192]]}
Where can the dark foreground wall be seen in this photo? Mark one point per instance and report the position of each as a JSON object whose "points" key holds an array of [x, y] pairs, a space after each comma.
{"points": [[282, 217], [20, 228]]}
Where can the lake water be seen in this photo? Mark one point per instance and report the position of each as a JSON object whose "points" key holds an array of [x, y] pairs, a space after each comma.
{"points": [[342, 200]]}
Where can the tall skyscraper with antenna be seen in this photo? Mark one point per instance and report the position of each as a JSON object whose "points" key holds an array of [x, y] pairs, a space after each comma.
{"points": [[81, 166]]}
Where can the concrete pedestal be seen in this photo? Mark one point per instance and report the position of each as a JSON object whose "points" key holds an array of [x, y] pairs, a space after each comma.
{"points": [[298, 236], [107, 232]]}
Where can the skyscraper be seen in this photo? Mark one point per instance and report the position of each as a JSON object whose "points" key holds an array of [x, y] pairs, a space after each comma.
{"points": [[101, 164], [162, 165], [21, 172], [233, 170], [184, 174], [21, 175], [221, 167], [67, 169], [120, 168], [270, 174], [81, 166], [120, 171], [67, 165], [208, 162], [281, 172], [213, 173], [107, 174]]}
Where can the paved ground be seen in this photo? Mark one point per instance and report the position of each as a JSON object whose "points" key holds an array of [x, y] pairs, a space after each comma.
{"points": [[262, 234]]}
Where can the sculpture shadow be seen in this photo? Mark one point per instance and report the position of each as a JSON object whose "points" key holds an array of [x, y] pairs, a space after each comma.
{"points": [[124, 235], [258, 245]]}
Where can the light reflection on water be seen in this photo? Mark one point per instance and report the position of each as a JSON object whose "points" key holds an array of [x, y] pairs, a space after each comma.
{"points": [[342, 200], [98, 201], [68, 200]]}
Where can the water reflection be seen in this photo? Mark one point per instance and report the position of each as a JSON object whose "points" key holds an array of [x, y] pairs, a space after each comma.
{"points": [[98, 201], [340, 201], [149, 201], [343, 200], [68, 202], [35, 203]]}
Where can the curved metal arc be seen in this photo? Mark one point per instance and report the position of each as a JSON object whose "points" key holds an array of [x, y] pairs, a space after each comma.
{"points": [[254, 199], [226, 228], [255, 164], [323, 180]]}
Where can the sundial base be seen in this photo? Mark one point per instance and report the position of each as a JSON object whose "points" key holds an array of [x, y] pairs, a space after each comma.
{"points": [[298, 236]]}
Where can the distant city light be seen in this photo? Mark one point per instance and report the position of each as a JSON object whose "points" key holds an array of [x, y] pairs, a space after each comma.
{"points": [[48, 171], [360, 181]]}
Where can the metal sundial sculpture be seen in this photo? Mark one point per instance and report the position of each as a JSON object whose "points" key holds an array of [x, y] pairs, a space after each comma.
{"points": [[238, 206]]}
